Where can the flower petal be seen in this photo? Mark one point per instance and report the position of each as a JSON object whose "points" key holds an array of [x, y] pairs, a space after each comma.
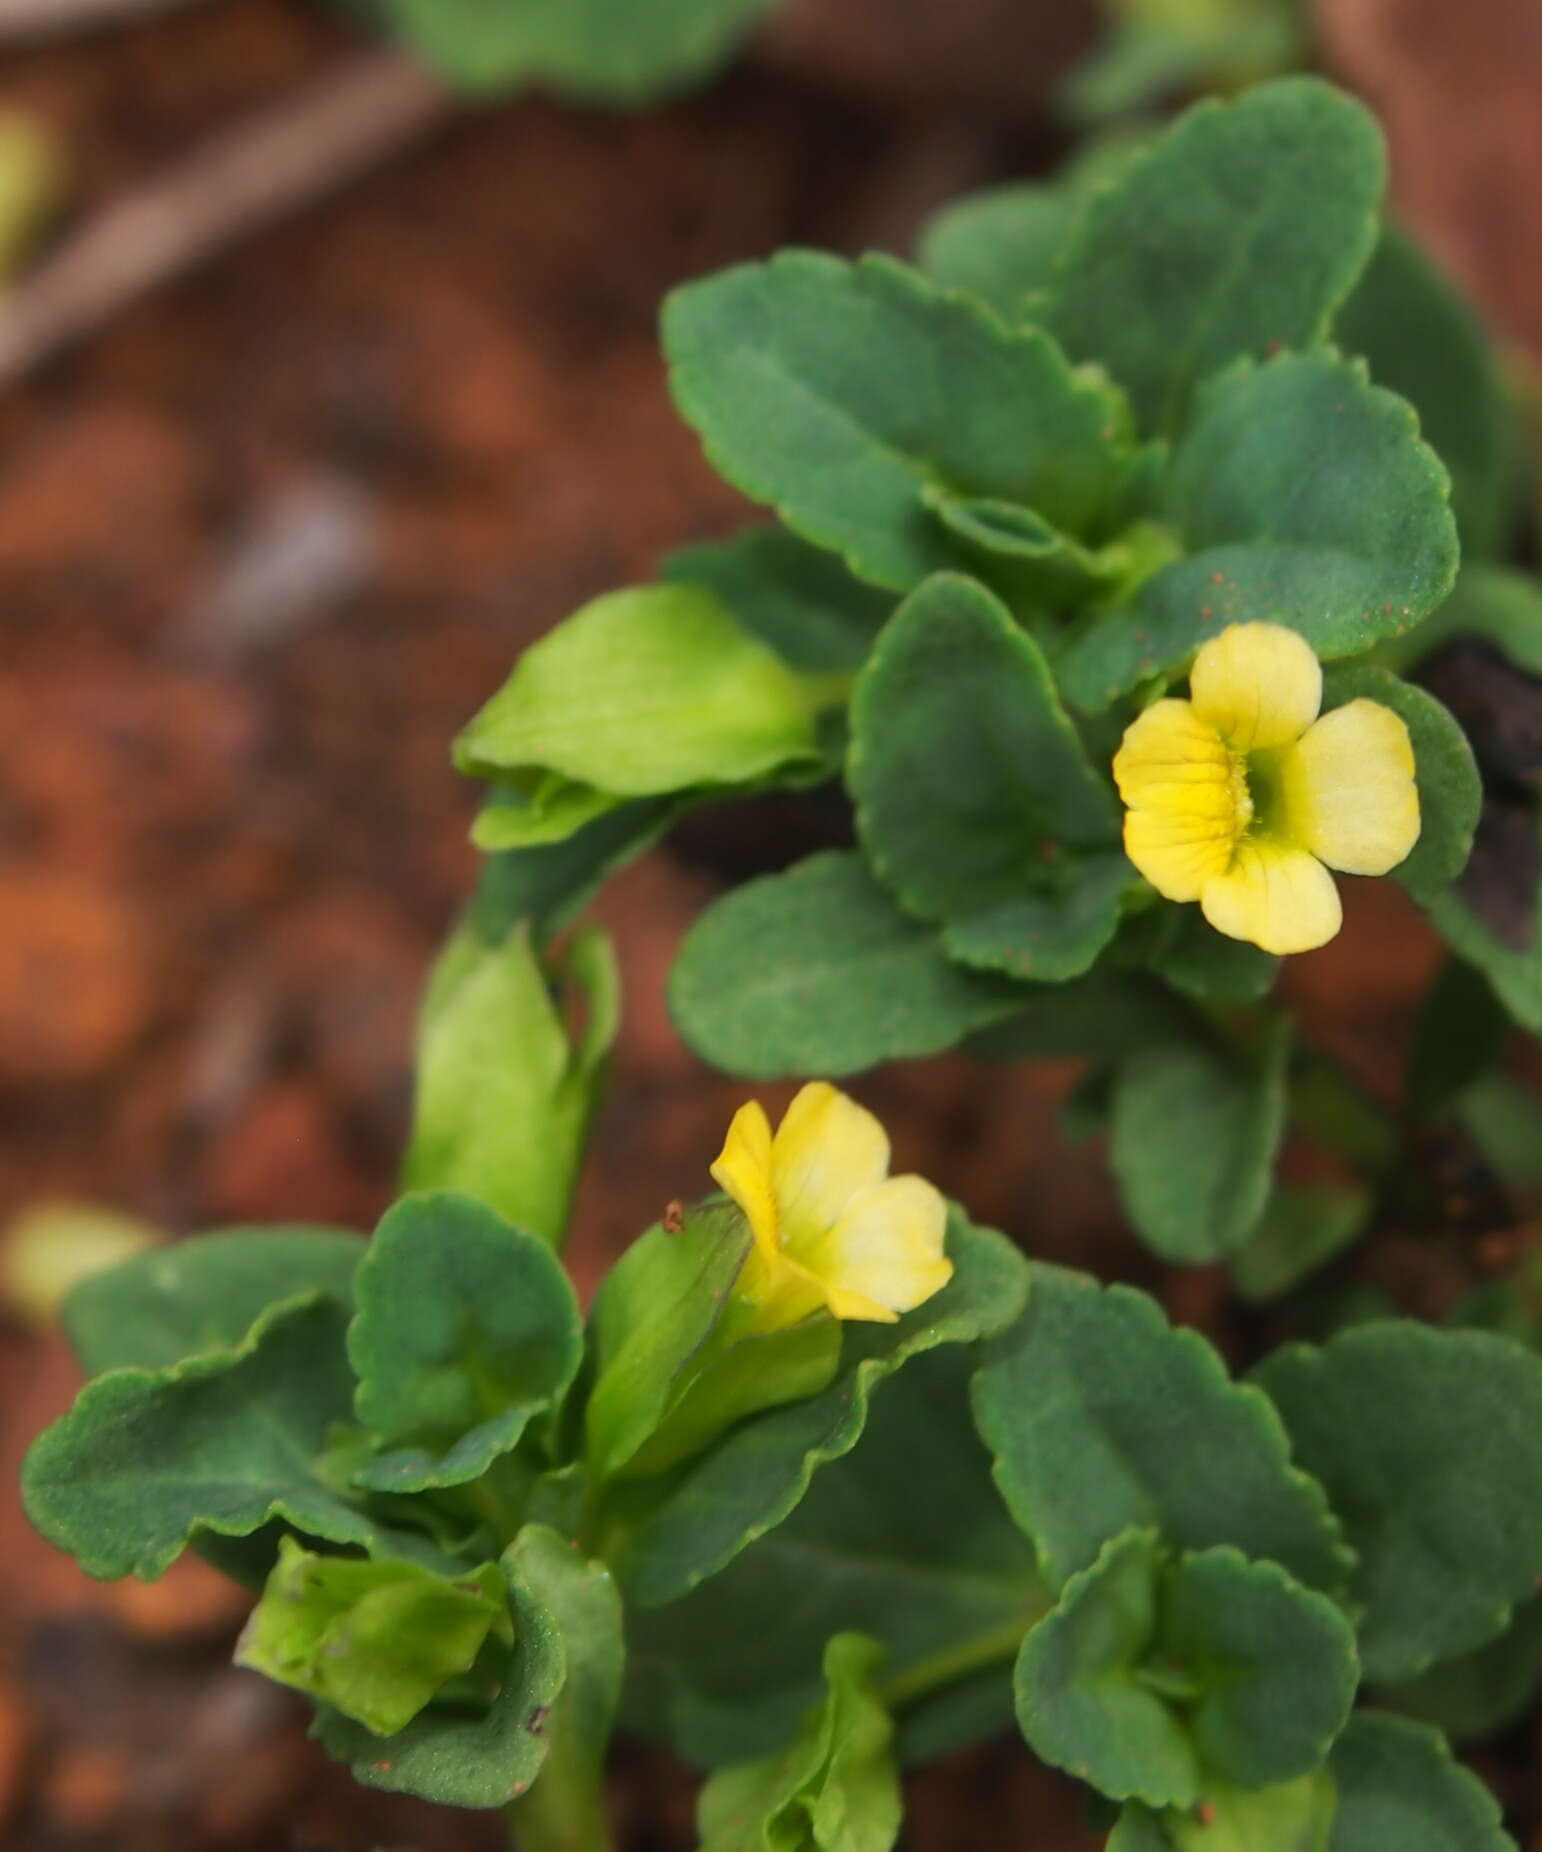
{"points": [[827, 1150], [885, 1255], [1180, 784], [743, 1168], [1275, 895], [1348, 792], [1257, 684]]}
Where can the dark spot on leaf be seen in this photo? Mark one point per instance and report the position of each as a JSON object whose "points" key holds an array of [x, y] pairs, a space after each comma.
{"points": [[674, 1217], [535, 1723]]}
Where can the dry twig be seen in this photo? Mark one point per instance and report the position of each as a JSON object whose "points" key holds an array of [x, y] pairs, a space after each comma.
{"points": [[255, 173], [39, 19]]}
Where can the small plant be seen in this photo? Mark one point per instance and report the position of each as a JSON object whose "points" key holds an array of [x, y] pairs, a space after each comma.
{"points": [[1103, 546]]}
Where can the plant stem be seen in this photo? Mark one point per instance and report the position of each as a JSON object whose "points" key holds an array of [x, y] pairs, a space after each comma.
{"points": [[564, 1810], [952, 1663]]}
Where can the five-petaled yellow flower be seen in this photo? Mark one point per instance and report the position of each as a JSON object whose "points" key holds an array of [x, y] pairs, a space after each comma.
{"points": [[832, 1228], [1242, 798]]}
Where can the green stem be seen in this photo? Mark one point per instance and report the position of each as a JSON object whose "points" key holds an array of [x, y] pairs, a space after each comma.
{"points": [[564, 1810], [952, 1663]]}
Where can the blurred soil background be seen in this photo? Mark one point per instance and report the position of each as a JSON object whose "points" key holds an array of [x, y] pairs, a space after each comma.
{"points": [[273, 536]]}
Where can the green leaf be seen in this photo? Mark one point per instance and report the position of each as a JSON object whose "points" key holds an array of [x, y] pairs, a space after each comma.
{"points": [[1102, 1418], [1295, 1816], [1080, 1700], [816, 971], [564, 1612], [835, 393], [1140, 1830], [1480, 1693], [999, 245], [467, 1329], [834, 1788], [1024, 554], [1103, 1015], [1501, 1116], [1292, 1816], [1305, 497], [1303, 1227], [1459, 1033], [1153, 50], [1195, 1134], [544, 885], [1152, 1677], [967, 774], [653, 1314], [202, 1295], [1450, 790], [608, 51], [547, 809], [1422, 338], [641, 693], [672, 1371], [737, 1377], [1509, 1304], [1400, 1791], [1237, 232], [225, 1443], [1274, 1664], [797, 600], [375, 1640], [1180, 945], [1430, 1446], [504, 1099], [1054, 933], [718, 1505], [946, 1583]]}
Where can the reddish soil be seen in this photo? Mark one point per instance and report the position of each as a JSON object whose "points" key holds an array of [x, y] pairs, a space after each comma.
{"points": [[229, 834]]}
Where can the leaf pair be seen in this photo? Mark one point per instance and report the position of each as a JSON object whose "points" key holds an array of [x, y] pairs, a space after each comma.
{"points": [[1156, 1676]]}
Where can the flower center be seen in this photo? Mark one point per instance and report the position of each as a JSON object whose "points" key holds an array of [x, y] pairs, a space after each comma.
{"points": [[1244, 803], [1263, 810]]}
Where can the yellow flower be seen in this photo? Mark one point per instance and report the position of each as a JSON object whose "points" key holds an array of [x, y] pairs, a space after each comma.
{"points": [[832, 1228], [1242, 798]]}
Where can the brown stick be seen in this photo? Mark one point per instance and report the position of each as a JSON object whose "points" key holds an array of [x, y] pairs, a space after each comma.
{"points": [[39, 19], [255, 173]]}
